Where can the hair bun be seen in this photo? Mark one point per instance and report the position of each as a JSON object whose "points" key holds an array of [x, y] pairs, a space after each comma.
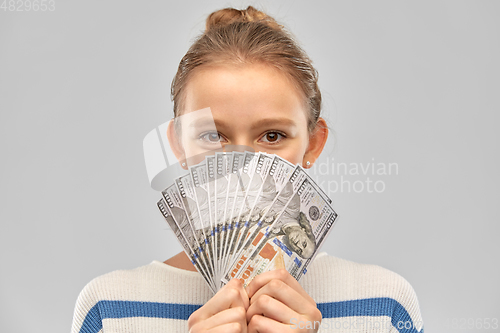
{"points": [[228, 16]]}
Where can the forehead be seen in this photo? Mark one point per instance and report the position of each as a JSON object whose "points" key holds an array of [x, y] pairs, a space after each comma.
{"points": [[244, 91]]}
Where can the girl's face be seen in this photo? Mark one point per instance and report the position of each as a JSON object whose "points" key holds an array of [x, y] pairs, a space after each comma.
{"points": [[252, 105]]}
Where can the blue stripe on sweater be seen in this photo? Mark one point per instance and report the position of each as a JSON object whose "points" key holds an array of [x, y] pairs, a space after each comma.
{"points": [[125, 309], [371, 307], [364, 307]]}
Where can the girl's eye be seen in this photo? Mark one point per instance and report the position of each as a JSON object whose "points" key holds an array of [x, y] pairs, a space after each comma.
{"points": [[272, 137], [211, 137]]}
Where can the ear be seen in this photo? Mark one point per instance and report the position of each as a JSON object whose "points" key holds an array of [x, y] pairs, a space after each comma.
{"points": [[317, 141], [174, 139]]}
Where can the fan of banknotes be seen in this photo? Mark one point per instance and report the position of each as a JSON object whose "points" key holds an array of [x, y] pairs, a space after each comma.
{"points": [[239, 214]]}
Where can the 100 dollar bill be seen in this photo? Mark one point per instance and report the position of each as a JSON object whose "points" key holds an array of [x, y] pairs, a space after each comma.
{"points": [[167, 214], [292, 240]]}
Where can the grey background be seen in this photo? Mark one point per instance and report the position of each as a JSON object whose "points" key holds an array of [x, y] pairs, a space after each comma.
{"points": [[412, 83]]}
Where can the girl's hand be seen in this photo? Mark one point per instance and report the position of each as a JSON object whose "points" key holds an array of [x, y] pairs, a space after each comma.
{"points": [[225, 312], [279, 304]]}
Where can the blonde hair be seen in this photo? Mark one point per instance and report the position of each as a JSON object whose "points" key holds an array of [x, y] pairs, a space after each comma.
{"points": [[249, 36]]}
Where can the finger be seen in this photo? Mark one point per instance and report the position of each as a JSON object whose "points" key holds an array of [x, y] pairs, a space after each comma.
{"points": [[281, 274], [228, 328], [241, 301], [233, 315], [285, 294], [260, 324], [238, 299], [243, 293], [271, 308], [228, 296]]}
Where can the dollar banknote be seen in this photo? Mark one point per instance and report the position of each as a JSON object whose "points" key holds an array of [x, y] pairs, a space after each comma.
{"points": [[187, 192], [292, 239], [250, 212], [173, 199], [222, 166], [234, 182], [239, 214], [211, 176], [190, 252], [244, 175], [267, 205], [199, 175]]}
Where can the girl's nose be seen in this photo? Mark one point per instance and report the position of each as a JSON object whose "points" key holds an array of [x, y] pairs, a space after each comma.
{"points": [[240, 146]]}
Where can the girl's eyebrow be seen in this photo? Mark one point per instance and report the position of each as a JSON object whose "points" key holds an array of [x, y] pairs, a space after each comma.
{"points": [[268, 122], [264, 122], [202, 122]]}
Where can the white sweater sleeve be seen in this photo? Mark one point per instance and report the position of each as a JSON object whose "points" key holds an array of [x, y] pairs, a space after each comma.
{"points": [[86, 316]]}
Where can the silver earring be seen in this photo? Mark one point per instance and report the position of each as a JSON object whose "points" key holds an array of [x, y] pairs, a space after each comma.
{"points": [[308, 163], [183, 164]]}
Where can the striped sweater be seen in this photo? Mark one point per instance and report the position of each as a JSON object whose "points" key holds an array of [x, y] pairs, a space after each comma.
{"points": [[157, 297]]}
